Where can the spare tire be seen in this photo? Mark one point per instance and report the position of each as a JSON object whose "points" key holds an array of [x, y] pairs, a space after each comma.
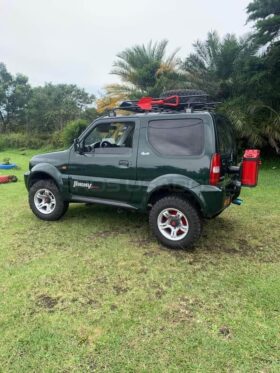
{"points": [[185, 95]]}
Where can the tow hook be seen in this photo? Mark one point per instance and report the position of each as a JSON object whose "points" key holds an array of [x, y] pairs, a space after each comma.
{"points": [[237, 201]]}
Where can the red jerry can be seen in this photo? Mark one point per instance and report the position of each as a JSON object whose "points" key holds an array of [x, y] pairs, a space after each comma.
{"points": [[250, 167]]}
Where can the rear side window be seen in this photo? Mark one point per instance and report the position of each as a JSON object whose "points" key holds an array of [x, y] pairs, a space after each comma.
{"points": [[177, 137], [225, 135]]}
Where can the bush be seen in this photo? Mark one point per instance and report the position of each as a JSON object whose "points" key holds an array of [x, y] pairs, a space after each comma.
{"points": [[73, 130], [21, 140], [56, 140], [2, 143]]}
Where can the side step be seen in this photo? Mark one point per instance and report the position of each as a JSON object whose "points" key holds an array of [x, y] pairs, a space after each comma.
{"points": [[101, 201]]}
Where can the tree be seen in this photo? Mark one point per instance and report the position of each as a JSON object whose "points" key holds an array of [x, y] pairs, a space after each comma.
{"points": [[111, 99], [211, 66], [89, 114], [52, 106], [255, 108], [266, 15], [146, 71], [14, 96], [246, 81]]}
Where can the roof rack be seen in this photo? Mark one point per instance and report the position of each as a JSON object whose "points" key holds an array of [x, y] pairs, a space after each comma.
{"points": [[171, 104]]}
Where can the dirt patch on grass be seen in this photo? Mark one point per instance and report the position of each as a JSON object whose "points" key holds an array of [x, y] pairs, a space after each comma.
{"points": [[151, 253], [106, 233], [80, 302], [118, 289], [101, 280], [182, 311], [89, 336], [183, 254], [159, 291], [239, 246], [47, 302], [143, 270], [93, 303], [141, 242], [225, 332]]}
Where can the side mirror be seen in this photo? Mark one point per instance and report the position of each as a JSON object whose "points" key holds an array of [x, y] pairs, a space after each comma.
{"points": [[77, 146]]}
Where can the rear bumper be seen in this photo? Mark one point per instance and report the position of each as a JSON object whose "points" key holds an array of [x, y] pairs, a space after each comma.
{"points": [[214, 199]]}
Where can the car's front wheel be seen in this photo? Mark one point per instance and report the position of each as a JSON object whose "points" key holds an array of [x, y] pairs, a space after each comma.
{"points": [[45, 200], [175, 222]]}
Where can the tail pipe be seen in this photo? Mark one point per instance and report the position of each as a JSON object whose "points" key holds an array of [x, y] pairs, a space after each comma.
{"points": [[237, 201]]}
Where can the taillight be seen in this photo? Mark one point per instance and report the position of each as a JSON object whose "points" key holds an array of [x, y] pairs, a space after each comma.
{"points": [[215, 169]]}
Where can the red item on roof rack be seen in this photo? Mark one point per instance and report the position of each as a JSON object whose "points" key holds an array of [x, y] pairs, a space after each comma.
{"points": [[146, 103], [170, 104]]}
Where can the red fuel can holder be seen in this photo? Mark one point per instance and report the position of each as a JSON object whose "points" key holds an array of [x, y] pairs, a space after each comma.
{"points": [[250, 167]]}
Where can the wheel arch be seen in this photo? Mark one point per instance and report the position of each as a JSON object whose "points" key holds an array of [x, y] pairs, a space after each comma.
{"points": [[40, 175], [45, 172], [173, 189]]}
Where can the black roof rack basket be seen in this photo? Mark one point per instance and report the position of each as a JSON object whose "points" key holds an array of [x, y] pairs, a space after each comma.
{"points": [[172, 104]]}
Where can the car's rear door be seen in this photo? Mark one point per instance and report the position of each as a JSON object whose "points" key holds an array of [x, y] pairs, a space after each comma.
{"points": [[226, 146]]}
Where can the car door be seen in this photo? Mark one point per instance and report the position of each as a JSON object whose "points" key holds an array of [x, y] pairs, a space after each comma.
{"points": [[106, 166]]}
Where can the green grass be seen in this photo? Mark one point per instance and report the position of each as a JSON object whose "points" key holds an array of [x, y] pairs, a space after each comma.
{"points": [[95, 292]]}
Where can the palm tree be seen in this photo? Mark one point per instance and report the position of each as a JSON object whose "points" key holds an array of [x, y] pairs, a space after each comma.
{"points": [[266, 16], [146, 70], [211, 65], [256, 124]]}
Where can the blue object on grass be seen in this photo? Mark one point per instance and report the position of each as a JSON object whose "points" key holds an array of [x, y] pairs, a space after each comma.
{"points": [[7, 166]]}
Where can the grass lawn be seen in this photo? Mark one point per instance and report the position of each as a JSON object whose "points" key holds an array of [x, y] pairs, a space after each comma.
{"points": [[95, 292]]}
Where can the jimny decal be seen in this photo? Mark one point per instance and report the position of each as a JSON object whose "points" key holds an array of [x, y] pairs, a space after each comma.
{"points": [[79, 184]]}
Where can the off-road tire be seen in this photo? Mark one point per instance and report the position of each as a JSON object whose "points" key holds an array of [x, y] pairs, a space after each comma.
{"points": [[61, 206], [186, 92], [188, 209]]}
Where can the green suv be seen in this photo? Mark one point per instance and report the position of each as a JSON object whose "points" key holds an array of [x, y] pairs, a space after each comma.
{"points": [[175, 161]]}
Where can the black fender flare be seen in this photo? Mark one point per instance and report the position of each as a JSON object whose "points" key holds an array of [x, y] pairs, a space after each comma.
{"points": [[47, 169], [174, 181]]}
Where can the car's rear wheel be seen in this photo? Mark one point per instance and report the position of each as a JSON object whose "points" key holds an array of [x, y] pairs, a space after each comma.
{"points": [[175, 222], [46, 201]]}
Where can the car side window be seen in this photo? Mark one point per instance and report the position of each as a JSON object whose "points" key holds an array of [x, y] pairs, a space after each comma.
{"points": [[225, 135], [179, 137], [110, 138]]}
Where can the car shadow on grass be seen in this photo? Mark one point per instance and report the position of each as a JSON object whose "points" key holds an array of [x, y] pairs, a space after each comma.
{"points": [[220, 235]]}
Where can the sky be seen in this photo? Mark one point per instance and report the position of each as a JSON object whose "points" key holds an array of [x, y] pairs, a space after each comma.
{"points": [[76, 41]]}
